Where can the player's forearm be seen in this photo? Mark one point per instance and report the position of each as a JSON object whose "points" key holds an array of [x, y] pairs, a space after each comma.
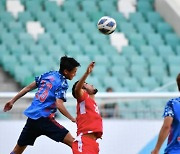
{"points": [[162, 136], [81, 81], [24, 91], [64, 111]]}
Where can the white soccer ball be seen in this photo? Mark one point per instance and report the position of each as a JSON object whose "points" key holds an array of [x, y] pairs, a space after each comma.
{"points": [[106, 25]]}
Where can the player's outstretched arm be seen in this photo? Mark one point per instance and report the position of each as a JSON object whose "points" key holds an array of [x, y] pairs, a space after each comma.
{"points": [[8, 106], [164, 132], [78, 89], [60, 106]]}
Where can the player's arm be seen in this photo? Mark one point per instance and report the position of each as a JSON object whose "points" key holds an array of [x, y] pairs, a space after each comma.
{"points": [[164, 132], [78, 89], [60, 106], [8, 106]]}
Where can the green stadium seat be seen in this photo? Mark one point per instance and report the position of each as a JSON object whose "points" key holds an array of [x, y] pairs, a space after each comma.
{"points": [[36, 49], [136, 40], [173, 70], [136, 17], [138, 70], [154, 39], [131, 83], [102, 60], [45, 39], [84, 60], [107, 6], [158, 72], [165, 51], [71, 27], [51, 6], [153, 17], [53, 28], [109, 50], [111, 81], [80, 39], [17, 50], [55, 50], [144, 28], [150, 82], [73, 50], [126, 27], [89, 6], [28, 80], [8, 63], [40, 69], [6, 17], [172, 39], [118, 16], [144, 6], [20, 73], [60, 16], [99, 39], [47, 61], [26, 39], [33, 6], [120, 61], [44, 17], [163, 27], [140, 60], [156, 60], [68, 5], [24, 17], [62, 39], [128, 50], [88, 27], [169, 83], [4, 51], [91, 50], [15, 28], [177, 50], [100, 70], [8, 38], [147, 51], [173, 60], [119, 70], [3, 28], [80, 17], [95, 15]]}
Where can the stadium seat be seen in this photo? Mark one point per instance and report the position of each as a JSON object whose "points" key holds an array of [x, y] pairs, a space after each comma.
{"points": [[53, 28], [120, 61], [45, 39], [73, 50], [149, 82], [136, 17], [80, 16], [91, 50], [153, 17], [119, 71], [109, 50], [126, 27], [6, 17], [165, 51], [131, 83], [172, 39], [17, 50], [84, 60], [128, 50], [88, 27], [111, 82], [24, 17], [173, 70], [144, 6], [147, 51], [102, 60], [107, 6], [89, 6], [51, 7], [62, 39], [163, 27], [144, 28], [26, 39]]}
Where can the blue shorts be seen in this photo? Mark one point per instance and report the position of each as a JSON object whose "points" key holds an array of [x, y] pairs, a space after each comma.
{"points": [[42, 126]]}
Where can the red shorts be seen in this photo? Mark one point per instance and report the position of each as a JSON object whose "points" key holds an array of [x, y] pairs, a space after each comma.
{"points": [[85, 145]]}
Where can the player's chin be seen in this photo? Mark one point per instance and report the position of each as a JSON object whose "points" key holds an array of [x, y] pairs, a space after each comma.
{"points": [[95, 91]]}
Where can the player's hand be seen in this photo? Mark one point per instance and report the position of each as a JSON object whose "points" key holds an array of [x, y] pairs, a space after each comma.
{"points": [[8, 106], [73, 120], [90, 67], [155, 152]]}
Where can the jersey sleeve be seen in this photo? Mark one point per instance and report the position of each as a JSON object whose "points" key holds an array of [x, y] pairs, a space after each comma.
{"points": [[61, 92], [168, 111]]}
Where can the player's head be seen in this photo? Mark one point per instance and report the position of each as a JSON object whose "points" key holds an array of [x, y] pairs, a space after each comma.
{"points": [[90, 89], [68, 67], [178, 81]]}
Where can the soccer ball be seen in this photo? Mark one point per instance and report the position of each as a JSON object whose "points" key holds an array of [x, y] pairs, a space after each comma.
{"points": [[106, 25]]}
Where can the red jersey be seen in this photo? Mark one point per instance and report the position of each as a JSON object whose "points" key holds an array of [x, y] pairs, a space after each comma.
{"points": [[88, 116]]}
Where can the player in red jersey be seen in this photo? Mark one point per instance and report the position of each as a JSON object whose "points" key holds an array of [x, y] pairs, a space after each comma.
{"points": [[89, 121]]}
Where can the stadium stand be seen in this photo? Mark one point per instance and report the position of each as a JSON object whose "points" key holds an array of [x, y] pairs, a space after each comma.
{"points": [[149, 59]]}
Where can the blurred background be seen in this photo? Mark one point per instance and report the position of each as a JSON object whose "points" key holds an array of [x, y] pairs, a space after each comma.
{"points": [[135, 72]]}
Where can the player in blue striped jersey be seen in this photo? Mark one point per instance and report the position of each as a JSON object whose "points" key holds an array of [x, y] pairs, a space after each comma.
{"points": [[51, 95], [171, 126]]}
